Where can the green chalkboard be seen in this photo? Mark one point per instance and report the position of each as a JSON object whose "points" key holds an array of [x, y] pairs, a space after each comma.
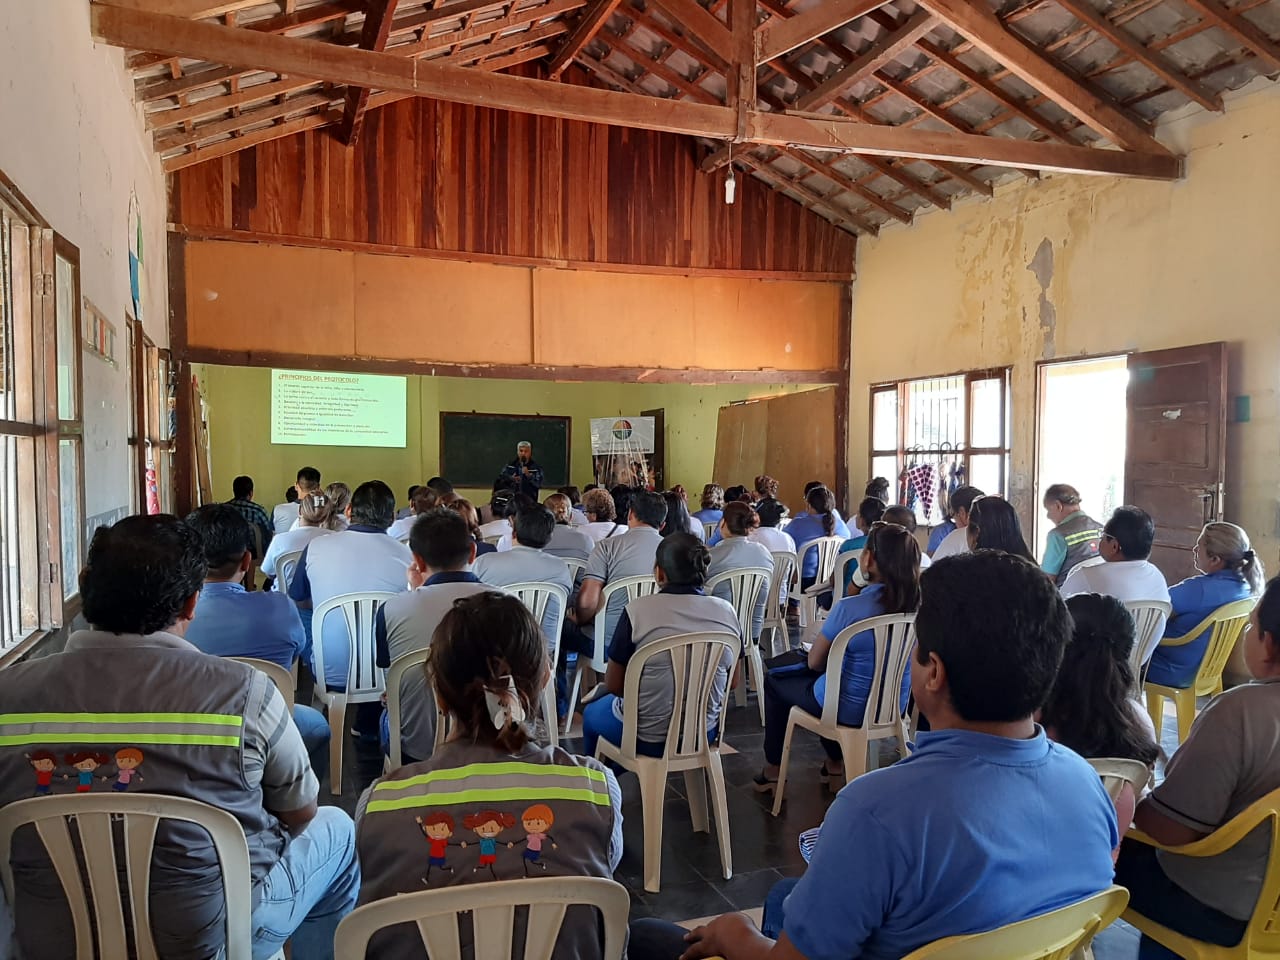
{"points": [[474, 447]]}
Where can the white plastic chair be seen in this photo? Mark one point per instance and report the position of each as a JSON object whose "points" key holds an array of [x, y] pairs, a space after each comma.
{"points": [[284, 680], [364, 676], [494, 540], [828, 549], [1116, 772], [1149, 620], [492, 907], [395, 676], [695, 660], [138, 814], [635, 587], [709, 531], [745, 585], [895, 640], [536, 596], [837, 576], [775, 605], [575, 566], [286, 567]]}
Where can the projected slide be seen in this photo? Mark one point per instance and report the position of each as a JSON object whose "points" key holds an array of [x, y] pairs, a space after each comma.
{"points": [[337, 409]]}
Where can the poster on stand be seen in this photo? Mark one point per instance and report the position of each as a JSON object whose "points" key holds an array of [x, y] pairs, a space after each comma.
{"points": [[620, 451]]}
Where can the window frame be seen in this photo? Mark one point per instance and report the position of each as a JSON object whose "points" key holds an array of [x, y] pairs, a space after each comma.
{"points": [[71, 428]]}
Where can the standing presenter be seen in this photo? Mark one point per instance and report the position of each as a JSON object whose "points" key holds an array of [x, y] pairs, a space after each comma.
{"points": [[523, 469]]}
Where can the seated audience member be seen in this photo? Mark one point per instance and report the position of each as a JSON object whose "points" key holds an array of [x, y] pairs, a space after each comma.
{"points": [[1230, 760], [500, 485], [678, 607], [821, 521], [577, 518], [423, 499], [809, 488], [766, 488], [463, 508], [771, 513], [230, 621], [737, 494], [140, 586], [242, 502], [906, 517], [502, 507], [340, 494], [735, 551], [891, 563], [360, 559], [568, 540], [443, 551], [1125, 572], [526, 561], [407, 510], [1090, 708], [601, 514], [1075, 535], [691, 525], [986, 823], [957, 541], [1229, 571], [877, 487], [622, 494], [314, 513], [994, 525], [283, 515], [712, 504], [938, 534], [677, 519], [487, 668], [870, 512]]}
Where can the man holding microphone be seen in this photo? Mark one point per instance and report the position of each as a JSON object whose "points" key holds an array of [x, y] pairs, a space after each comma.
{"points": [[524, 471]]}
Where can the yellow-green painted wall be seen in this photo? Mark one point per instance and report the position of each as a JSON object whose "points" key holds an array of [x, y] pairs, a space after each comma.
{"points": [[1128, 265], [239, 412]]}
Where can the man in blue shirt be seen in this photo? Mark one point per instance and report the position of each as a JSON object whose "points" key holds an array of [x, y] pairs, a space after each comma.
{"points": [[985, 824], [524, 471], [232, 622]]}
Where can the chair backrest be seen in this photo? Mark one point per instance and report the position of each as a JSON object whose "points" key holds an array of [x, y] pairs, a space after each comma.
{"points": [[784, 572], [633, 587], [745, 585], [895, 635], [286, 567], [137, 815], [494, 540], [709, 531], [281, 677], [1149, 619], [828, 549], [1116, 772], [537, 596], [575, 566], [1056, 935], [1228, 623], [695, 660], [492, 907], [395, 674], [358, 610], [837, 572]]}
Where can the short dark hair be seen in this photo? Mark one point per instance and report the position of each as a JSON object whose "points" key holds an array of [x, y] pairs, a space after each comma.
{"points": [[309, 475], [1133, 530], [140, 572], [534, 526], [962, 498], [441, 539], [242, 488], [684, 559], [877, 487], [871, 510], [373, 504], [740, 518], [902, 516], [1269, 609], [999, 626], [622, 502], [649, 508], [290, 494], [224, 536], [440, 485], [503, 503], [413, 488], [771, 511]]}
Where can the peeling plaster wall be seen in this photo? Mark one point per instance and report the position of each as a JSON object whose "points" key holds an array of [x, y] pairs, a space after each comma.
{"points": [[1073, 266]]}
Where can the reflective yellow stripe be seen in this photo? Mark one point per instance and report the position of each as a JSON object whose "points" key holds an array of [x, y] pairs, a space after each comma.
{"points": [[1082, 537], [126, 737], [494, 770], [482, 796], [218, 719]]}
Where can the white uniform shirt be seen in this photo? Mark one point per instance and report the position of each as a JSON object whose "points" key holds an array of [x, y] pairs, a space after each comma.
{"points": [[603, 529], [291, 541], [1126, 580], [283, 516], [400, 529], [953, 544], [773, 539]]}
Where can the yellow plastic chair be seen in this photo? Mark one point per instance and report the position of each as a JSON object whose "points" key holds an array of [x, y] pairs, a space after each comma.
{"points": [[1262, 935], [1066, 932], [1228, 623]]}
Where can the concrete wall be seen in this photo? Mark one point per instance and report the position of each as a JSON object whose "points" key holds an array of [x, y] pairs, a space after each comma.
{"points": [[1072, 266], [74, 144]]}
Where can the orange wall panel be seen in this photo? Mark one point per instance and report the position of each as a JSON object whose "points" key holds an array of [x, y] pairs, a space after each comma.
{"points": [[749, 324]]}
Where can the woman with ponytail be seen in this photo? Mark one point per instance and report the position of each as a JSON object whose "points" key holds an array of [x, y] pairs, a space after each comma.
{"points": [[822, 520], [679, 606], [478, 809], [1229, 571]]}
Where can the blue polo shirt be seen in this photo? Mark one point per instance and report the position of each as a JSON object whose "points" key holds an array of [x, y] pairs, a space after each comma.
{"points": [[969, 833], [859, 657], [1193, 599], [807, 528], [232, 622]]}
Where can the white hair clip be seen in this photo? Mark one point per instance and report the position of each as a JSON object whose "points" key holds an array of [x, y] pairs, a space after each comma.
{"points": [[503, 705]]}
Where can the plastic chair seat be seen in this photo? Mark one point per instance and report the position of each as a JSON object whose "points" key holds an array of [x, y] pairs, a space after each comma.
{"points": [[745, 585], [775, 605], [828, 549], [634, 587]]}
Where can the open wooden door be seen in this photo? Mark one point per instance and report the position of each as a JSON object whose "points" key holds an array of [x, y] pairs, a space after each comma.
{"points": [[1175, 461], [658, 462]]}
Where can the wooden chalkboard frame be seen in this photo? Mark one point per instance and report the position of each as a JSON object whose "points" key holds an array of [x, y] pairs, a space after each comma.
{"points": [[466, 482]]}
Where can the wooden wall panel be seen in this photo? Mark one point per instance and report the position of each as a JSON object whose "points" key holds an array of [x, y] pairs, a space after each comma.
{"points": [[447, 177], [788, 437], [739, 321]]}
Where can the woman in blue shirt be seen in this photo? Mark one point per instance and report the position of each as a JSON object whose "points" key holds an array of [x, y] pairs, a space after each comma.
{"points": [[870, 511], [712, 504], [1229, 571], [821, 521], [891, 562]]}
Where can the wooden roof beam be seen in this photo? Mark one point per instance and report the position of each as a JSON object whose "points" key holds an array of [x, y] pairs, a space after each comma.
{"points": [[1239, 29], [189, 9], [1156, 62], [836, 177], [976, 22], [592, 20], [377, 28], [782, 36], [811, 198], [695, 18], [891, 45]]}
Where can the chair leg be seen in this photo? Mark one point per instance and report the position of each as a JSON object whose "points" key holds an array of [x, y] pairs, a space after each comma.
{"points": [[854, 748], [720, 804], [1155, 708], [757, 679], [696, 791], [1185, 703], [549, 714], [782, 770], [573, 695], [337, 721], [739, 684], [653, 785]]}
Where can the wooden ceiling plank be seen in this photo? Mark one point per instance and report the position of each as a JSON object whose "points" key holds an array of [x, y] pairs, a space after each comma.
{"points": [[373, 36], [835, 176], [1239, 29], [188, 9], [702, 53], [976, 22], [490, 28], [248, 118], [695, 18], [864, 65], [162, 119], [779, 36], [592, 20], [1156, 62]]}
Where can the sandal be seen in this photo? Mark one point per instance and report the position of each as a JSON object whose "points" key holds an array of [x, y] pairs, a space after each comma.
{"points": [[763, 784]]}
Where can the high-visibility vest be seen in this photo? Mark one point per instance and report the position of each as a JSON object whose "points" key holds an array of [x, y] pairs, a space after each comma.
{"points": [[1082, 534]]}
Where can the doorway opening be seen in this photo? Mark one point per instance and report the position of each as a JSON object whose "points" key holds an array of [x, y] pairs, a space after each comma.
{"points": [[1081, 435]]}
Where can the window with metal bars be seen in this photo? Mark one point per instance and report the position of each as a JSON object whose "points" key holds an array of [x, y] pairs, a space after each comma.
{"points": [[932, 435]]}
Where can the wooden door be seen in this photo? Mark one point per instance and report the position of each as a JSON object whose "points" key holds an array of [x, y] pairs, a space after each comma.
{"points": [[1175, 460], [658, 461]]}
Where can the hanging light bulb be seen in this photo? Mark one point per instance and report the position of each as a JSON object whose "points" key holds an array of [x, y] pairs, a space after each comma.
{"points": [[730, 187]]}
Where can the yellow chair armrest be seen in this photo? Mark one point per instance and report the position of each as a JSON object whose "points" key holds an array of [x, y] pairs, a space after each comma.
{"points": [[1220, 841]]}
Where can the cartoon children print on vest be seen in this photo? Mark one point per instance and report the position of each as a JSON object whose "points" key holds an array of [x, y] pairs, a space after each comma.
{"points": [[127, 762], [437, 828], [487, 825], [85, 763], [44, 763], [537, 820]]}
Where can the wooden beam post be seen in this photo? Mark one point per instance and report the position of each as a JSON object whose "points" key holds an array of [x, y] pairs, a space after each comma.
{"points": [[377, 28], [741, 82], [595, 17], [779, 37]]}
